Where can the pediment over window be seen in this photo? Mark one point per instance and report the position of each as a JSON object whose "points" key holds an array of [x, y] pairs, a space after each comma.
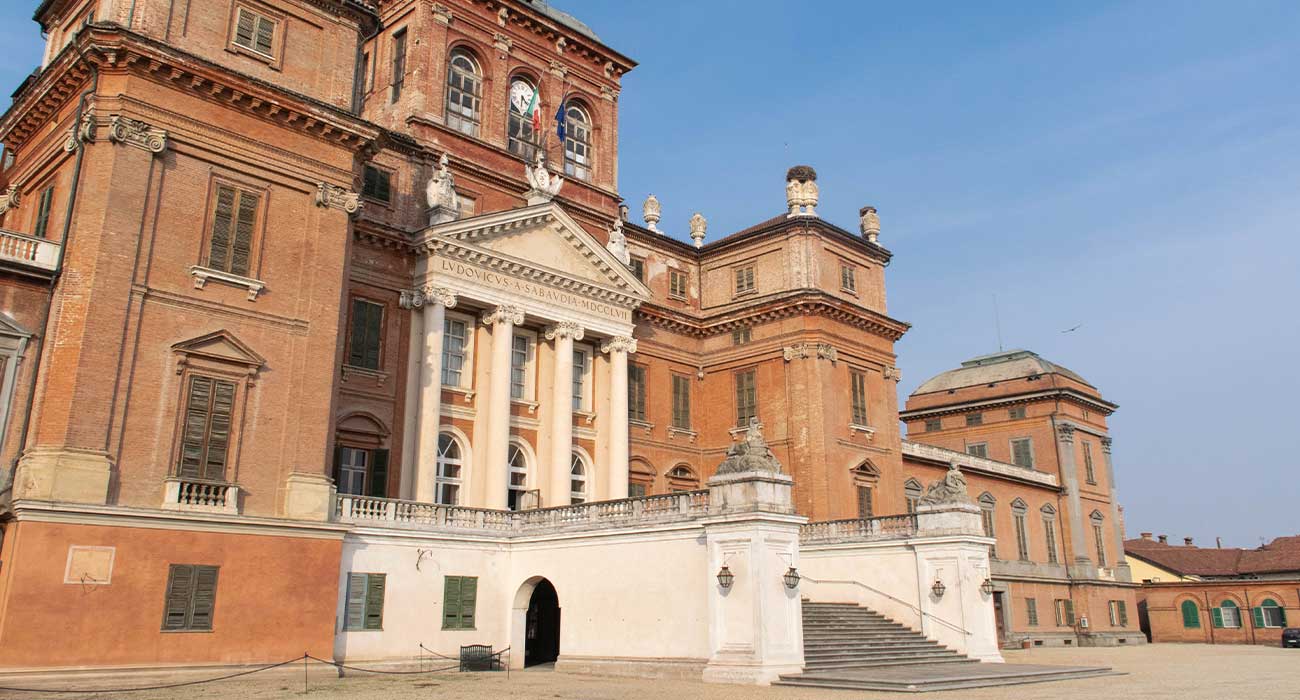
{"points": [[866, 470], [220, 346], [10, 327]]}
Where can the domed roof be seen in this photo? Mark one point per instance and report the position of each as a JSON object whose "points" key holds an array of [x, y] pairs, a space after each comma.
{"points": [[997, 367]]}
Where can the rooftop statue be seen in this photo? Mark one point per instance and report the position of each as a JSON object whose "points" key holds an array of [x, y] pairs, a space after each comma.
{"points": [[444, 202], [543, 184], [750, 454], [948, 490], [618, 243]]}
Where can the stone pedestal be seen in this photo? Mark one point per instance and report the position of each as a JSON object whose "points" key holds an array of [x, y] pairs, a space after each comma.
{"points": [[308, 497], [951, 548], [64, 474]]}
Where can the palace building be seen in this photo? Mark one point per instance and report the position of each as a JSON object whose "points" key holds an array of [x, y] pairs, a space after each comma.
{"points": [[325, 327]]}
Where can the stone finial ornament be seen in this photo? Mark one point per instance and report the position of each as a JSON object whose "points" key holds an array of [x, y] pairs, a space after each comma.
{"points": [[869, 223], [698, 226], [948, 490], [444, 202], [750, 454], [801, 193], [617, 244], [543, 184], [651, 211]]}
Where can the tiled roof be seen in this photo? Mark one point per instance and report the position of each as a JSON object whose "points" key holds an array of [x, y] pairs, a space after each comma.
{"points": [[1280, 555], [998, 367]]}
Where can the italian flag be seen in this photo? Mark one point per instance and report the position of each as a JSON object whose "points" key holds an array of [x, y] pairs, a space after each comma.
{"points": [[534, 111]]}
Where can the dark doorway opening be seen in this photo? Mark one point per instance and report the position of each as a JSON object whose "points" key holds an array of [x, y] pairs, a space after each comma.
{"points": [[999, 617], [542, 634]]}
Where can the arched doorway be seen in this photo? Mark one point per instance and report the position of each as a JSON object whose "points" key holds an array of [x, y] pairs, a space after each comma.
{"points": [[542, 625]]}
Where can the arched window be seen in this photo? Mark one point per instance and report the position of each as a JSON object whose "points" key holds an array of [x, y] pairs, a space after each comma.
{"points": [[577, 142], [1191, 615], [578, 480], [640, 478], [464, 92], [1270, 614], [681, 478], [450, 462], [521, 137], [1227, 615], [912, 492], [517, 462]]}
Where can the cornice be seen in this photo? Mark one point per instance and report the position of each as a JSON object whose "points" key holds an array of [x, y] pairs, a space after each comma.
{"points": [[1072, 395], [796, 303], [575, 42]]}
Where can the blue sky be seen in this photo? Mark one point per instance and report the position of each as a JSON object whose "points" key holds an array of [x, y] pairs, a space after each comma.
{"points": [[1131, 167]]}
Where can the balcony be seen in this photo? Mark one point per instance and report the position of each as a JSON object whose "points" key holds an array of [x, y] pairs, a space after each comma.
{"points": [[889, 527], [27, 253], [200, 496]]}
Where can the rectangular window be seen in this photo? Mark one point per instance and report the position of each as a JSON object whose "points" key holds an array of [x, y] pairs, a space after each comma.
{"points": [[1118, 613], [399, 63], [681, 402], [520, 351], [858, 397], [741, 335], [43, 212], [933, 424], [1064, 612], [677, 284], [865, 508], [1099, 538], [365, 73], [1227, 615], [744, 279], [746, 397], [376, 184], [367, 334], [205, 437], [361, 472], [637, 489], [191, 598], [973, 419], [579, 379], [365, 602], [1088, 472], [986, 519], [1022, 537], [1270, 615], [638, 268], [1016, 412], [233, 222], [848, 278], [255, 32], [978, 449], [455, 334], [459, 599], [1022, 453], [1049, 535], [636, 393], [1031, 612]]}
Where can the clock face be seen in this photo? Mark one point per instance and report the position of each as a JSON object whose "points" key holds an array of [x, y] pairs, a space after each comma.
{"points": [[521, 95]]}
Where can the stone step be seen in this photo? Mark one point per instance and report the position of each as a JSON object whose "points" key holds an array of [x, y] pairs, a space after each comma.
{"points": [[813, 651], [980, 676], [918, 657], [885, 663]]}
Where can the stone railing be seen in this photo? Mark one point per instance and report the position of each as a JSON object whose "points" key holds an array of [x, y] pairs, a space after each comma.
{"points": [[28, 251], [889, 527], [649, 510], [978, 464], [202, 496]]}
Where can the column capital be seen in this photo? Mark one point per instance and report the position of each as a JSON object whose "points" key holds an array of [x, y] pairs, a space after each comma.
{"points": [[1105, 445], [504, 314], [411, 299], [439, 295], [565, 329], [619, 343], [1065, 432]]}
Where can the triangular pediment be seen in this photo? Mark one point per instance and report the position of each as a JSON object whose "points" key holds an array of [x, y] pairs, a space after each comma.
{"points": [[222, 347], [10, 327]]}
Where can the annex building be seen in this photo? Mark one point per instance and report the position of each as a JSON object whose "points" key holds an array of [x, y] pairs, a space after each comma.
{"points": [[324, 327]]}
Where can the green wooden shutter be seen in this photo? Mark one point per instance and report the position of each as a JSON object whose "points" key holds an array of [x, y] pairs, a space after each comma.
{"points": [[1258, 613], [1069, 612], [223, 224], [265, 34], [375, 601], [204, 601], [338, 465], [1282, 611], [244, 28], [1123, 614], [468, 601], [379, 473], [43, 212], [450, 602], [242, 247], [1216, 616], [194, 433], [180, 589], [1191, 616], [218, 433], [354, 612]]}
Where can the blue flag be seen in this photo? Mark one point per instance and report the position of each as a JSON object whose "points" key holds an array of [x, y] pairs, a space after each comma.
{"points": [[559, 121]]}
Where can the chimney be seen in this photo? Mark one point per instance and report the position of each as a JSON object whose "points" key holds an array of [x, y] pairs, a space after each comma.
{"points": [[1187, 541], [801, 191], [1164, 539], [1146, 536]]}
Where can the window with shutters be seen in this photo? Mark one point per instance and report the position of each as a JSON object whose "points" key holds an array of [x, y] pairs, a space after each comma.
{"points": [[912, 494], [865, 507], [933, 424], [1016, 412], [1049, 533], [234, 223], [1227, 615], [1064, 612], [988, 508], [681, 402], [1089, 473], [42, 224], [366, 337], [973, 419], [744, 279], [1191, 614], [677, 284], [848, 278], [1018, 511], [399, 63], [1022, 452], [741, 335], [191, 598], [1099, 538], [459, 599], [1031, 612], [978, 449], [360, 471], [746, 397], [636, 386], [377, 184], [638, 267], [1118, 613], [858, 397], [205, 434], [255, 32], [1270, 614], [365, 602]]}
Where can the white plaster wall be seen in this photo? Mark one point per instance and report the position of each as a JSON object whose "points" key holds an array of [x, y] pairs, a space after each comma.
{"points": [[887, 567]]}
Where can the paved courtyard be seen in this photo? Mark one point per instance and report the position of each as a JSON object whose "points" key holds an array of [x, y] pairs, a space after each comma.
{"points": [[1185, 672]]}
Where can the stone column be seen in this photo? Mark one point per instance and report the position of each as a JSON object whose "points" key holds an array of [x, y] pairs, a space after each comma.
{"points": [[503, 320], [436, 302], [1070, 482], [564, 334], [413, 300], [1121, 563], [616, 470]]}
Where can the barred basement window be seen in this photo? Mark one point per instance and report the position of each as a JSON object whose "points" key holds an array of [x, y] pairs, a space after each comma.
{"points": [[677, 284], [744, 279], [399, 62], [205, 437], [255, 32], [191, 598], [741, 335], [459, 599], [1022, 453], [1031, 612], [376, 184], [636, 393], [1064, 612], [365, 602], [233, 222], [43, 212], [973, 419], [858, 397], [933, 424], [848, 278], [978, 449], [746, 397], [366, 337], [1088, 471], [681, 402]]}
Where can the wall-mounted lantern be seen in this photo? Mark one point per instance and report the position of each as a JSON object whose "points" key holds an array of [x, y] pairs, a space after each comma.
{"points": [[938, 589], [725, 577], [987, 587], [791, 578]]}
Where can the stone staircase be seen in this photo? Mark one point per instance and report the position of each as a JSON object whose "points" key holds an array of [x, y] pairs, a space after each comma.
{"points": [[850, 647]]}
